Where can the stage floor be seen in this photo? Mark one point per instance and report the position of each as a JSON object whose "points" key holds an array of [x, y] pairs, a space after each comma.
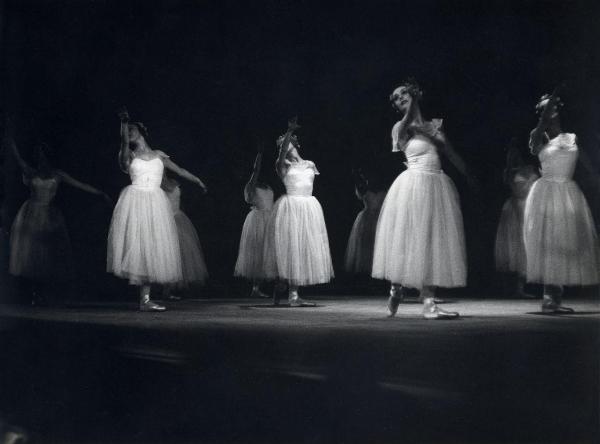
{"points": [[243, 370], [368, 314]]}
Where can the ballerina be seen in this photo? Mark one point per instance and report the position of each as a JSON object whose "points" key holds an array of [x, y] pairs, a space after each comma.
{"points": [[40, 250], [419, 241], [296, 249], [143, 244], [193, 266], [560, 236], [250, 261], [359, 250], [509, 248]]}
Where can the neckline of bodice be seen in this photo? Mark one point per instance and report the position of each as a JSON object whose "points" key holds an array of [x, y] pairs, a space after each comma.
{"points": [[146, 160], [44, 179]]}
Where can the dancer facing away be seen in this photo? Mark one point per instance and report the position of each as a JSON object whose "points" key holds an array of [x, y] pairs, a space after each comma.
{"points": [[297, 246], [143, 244], [419, 241], [250, 261], [193, 266], [40, 250], [560, 235], [359, 250], [510, 248]]}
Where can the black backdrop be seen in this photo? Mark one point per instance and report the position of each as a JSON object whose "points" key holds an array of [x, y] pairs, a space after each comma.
{"points": [[210, 79]]}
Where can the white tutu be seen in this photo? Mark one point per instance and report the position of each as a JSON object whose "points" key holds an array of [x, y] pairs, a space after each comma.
{"points": [[359, 251], [193, 266], [510, 248], [39, 243], [419, 240], [297, 246], [250, 261], [560, 236], [143, 244]]}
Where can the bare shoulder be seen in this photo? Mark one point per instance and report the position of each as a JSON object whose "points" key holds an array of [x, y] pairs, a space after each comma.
{"points": [[161, 154]]}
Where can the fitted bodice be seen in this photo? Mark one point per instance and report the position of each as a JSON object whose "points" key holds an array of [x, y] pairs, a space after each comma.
{"points": [[299, 178], [146, 174], [559, 157], [521, 181], [43, 190], [421, 155], [262, 198], [373, 201]]}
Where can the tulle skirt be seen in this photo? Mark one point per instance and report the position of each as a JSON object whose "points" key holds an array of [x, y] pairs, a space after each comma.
{"points": [[193, 267], [420, 240], [510, 248], [296, 244], [39, 243], [560, 236], [250, 260], [143, 244], [359, 251]]}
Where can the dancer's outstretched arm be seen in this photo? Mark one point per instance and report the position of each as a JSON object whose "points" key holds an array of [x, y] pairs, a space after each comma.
{"points": [[538, 137], [182, 172], [125, 151], [9, 143], [250, 187], [82, 186], [285, 146]]}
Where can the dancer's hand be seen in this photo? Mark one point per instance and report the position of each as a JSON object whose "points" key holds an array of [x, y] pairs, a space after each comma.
{"points": [[123, 114], [551, 108], [203, 187]]}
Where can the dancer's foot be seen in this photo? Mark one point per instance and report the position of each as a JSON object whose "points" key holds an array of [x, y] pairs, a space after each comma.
{"points": [[432, 311], [553, 307], [256, 293], [296, 301], [421, 299], [394, 300], [299, 302], [151, 306]]}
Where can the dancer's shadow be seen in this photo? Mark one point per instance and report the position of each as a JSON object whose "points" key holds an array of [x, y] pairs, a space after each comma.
{"points": [[250, 307], [576, 313]]}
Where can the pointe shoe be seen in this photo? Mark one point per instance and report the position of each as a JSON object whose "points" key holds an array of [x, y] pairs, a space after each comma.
{"points": [[432, 311], [296, 301], [259, 294], [394, 300], [553, 307], [151, 306]]}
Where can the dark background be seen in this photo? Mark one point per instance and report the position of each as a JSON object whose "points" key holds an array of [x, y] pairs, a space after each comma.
{"points": [[211, 79]]}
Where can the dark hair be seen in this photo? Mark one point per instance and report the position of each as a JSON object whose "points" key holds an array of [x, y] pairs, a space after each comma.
{"points": [[412, 88], [49, 153], [141, 128]]}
